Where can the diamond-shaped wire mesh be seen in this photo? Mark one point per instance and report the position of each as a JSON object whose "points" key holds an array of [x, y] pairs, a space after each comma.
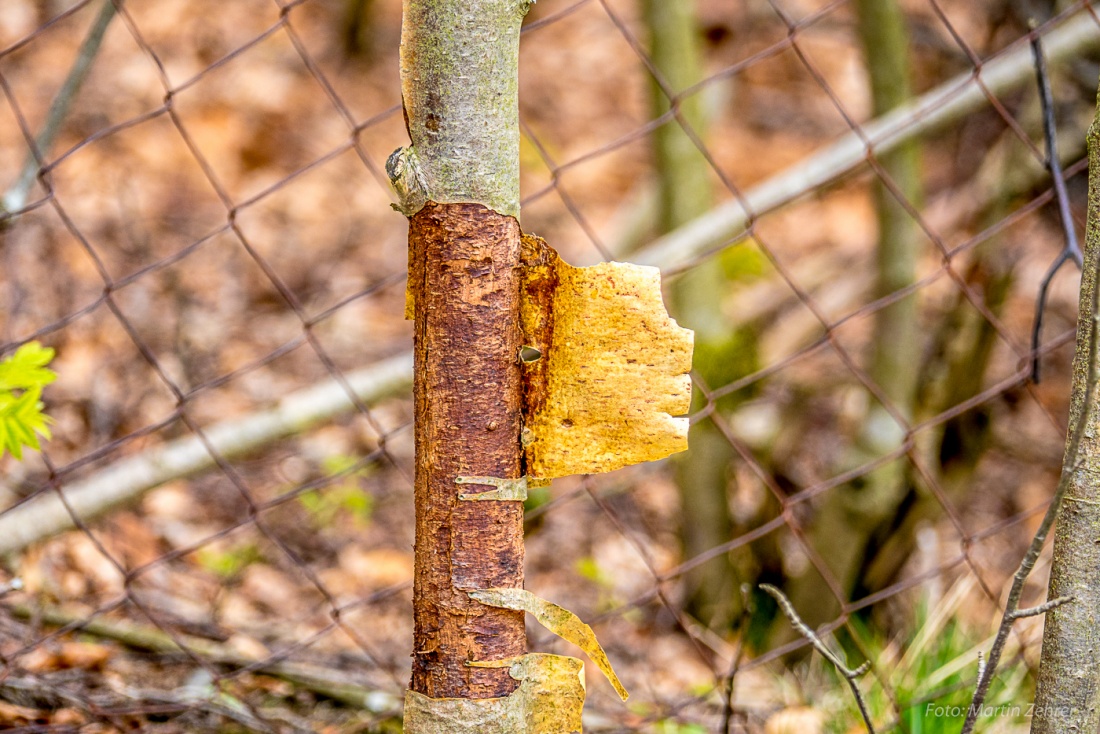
{"points": [[219, 532]]}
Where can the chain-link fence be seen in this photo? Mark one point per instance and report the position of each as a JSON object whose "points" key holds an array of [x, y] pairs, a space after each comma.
{"points": [[218, 535]]}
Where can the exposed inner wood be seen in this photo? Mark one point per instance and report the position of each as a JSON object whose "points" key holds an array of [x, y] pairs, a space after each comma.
{"points": [[465, 278]]}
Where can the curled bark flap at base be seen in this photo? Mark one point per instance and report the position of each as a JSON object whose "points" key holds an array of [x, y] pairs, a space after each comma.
{"points": [[549, 700]]}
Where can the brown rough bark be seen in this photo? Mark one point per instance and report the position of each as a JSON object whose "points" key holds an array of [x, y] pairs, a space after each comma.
{"points": [[464, 276]]}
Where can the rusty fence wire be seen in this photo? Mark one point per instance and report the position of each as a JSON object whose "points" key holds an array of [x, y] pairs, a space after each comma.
{"points": [[218, 535]]}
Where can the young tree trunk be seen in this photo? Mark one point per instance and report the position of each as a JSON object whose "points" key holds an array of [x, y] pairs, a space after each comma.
{"points": [[1066, 699], [459, 184]]}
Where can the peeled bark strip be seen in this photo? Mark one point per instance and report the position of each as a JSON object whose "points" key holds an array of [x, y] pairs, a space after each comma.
{"points": [[611, 387], [467, 394], [549, 700]]}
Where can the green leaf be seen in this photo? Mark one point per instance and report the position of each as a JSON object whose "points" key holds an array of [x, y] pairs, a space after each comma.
{"points": [[22, 377], [26, 369], [8, 443]]}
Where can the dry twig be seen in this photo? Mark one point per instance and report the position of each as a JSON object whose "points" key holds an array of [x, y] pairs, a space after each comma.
{"points": [[326, 682], [803, 629], [1071, 250]]}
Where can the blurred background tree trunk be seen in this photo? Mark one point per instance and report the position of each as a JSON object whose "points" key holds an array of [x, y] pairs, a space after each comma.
{"points": [[849, 515], [359, 27], [684, 192], [722, 352]]}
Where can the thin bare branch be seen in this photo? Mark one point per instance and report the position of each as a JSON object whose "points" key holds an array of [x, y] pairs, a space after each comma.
{"points": [[1040, 308], [1070, 250], [1042, 608], [728, 711], [850, 675]]}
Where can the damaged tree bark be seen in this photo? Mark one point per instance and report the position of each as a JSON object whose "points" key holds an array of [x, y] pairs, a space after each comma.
{"points": [[467, 394], [459, 185]]}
